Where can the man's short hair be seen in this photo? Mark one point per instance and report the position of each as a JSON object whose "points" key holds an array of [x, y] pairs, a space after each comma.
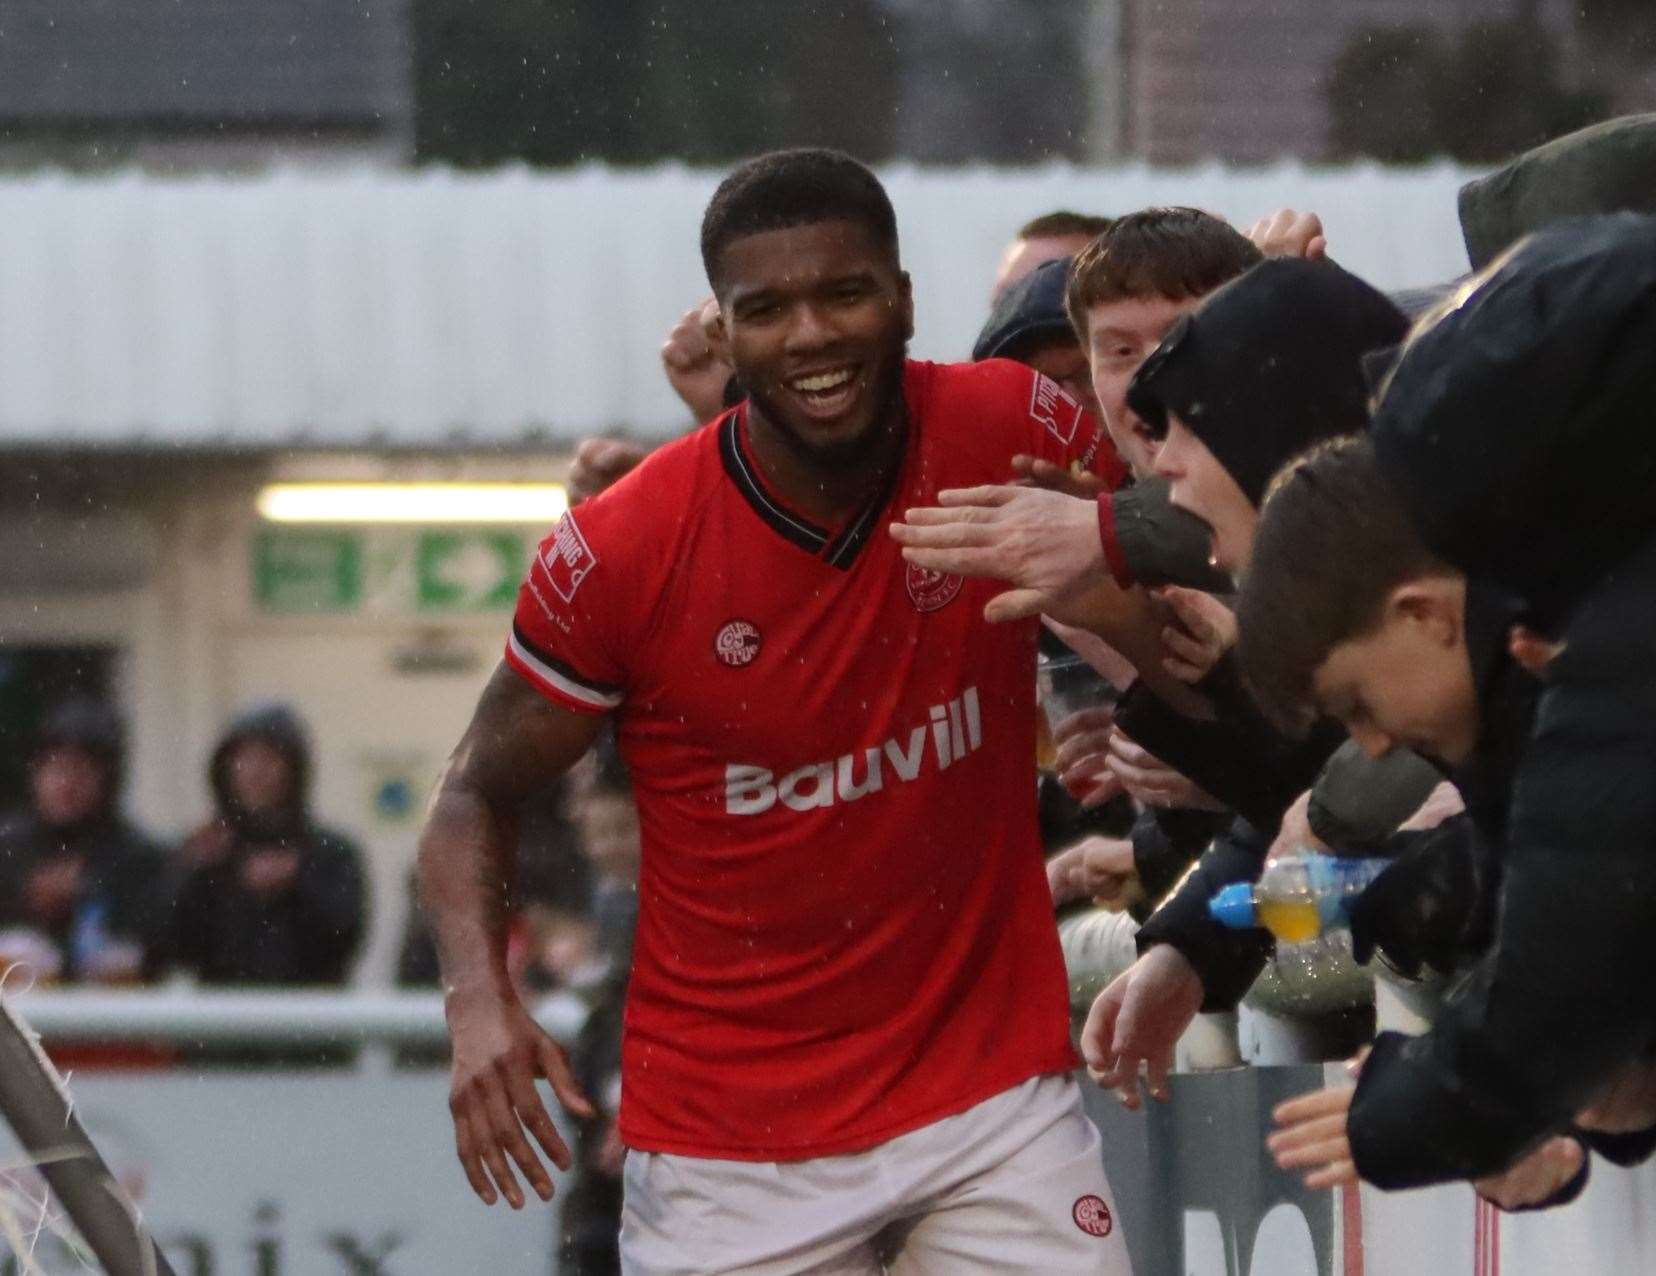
{"points": [[1062, 223], [1333, 542], [784, 189], [1170, 253]]}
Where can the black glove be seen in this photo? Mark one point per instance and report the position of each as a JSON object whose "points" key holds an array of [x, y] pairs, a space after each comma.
{"points": [[1420, 910]]}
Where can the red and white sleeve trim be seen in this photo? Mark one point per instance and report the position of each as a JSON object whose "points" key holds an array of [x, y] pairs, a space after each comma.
{"points": [[558, 681]]}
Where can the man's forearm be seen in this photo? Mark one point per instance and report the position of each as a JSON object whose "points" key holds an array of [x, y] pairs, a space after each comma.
{"points": [[465, 870]]}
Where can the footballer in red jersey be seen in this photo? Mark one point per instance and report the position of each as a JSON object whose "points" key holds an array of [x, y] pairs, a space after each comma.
{"points": [[847, 986]]}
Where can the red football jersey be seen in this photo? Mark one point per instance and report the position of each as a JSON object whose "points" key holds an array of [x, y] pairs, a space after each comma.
{"points": [[844, 926]]}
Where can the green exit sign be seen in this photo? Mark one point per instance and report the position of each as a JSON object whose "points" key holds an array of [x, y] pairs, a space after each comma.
{"points": [[389, 571]]}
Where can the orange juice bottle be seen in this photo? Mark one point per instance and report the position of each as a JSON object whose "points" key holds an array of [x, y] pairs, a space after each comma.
{"points": [[1298, 897]]}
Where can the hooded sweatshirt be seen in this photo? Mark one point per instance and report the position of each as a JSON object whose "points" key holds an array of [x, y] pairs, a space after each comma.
{"points": [[1269, 365], [1517, 421], [122, 896], [305, 932], [1607, 167], [1540, 379]]}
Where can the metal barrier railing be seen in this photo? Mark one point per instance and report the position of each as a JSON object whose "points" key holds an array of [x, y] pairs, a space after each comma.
{"points": [[289, 1016]]}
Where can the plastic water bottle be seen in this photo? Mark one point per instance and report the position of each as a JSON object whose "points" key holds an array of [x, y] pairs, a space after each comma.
{"points": [[90, 934], [1298, 897]]}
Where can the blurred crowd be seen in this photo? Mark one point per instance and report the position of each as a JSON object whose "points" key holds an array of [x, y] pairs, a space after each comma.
{"points": [[262, 894]]}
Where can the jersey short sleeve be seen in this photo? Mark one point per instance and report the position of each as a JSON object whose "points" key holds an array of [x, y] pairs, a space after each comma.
{"points": [[566, 639]]}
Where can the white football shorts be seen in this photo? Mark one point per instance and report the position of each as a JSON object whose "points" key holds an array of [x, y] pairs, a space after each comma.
{"points": [[1015, 1184]]}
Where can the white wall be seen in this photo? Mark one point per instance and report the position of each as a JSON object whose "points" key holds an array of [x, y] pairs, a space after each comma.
{"points": [[431, 308]]}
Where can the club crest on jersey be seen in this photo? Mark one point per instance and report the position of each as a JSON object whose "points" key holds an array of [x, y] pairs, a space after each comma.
{"points": [[929, 590], [569, 561], [1052, 406], [737, 644], [1092, 1216]]}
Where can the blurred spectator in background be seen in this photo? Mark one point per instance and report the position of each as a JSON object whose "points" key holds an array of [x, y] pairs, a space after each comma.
{"points": [[610, 836], [1061, 233], [553, 934], [269, 897], [1028, 324], [81, 893]]}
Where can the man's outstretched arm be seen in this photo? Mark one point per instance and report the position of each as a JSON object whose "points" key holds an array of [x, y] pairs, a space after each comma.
{"points": [[1047, 546], [517, 742]]}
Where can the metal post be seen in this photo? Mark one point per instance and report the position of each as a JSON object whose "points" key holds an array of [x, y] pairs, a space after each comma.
{"points": [[36, 1104]]}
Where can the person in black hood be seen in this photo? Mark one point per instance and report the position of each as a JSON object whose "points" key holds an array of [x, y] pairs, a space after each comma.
{"points": [[1519, 412], [1270, 364], [272, 897], [1544, 361], [73, 871]]}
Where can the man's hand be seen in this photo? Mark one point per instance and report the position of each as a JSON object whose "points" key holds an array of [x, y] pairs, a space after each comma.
{"points": [[498, 1052], [1152, 782], [1286, 233], [1295, 832], [1100, 868], [1082, 762], [1313, 1137], [266, 870], [1139, 1019], [695, 365], [52, 888], [1045, 544], [1627, 1106], [1534, 651], [599, 463], [1540, 1175], [1106, 661], [1204, 629], [1032, 471], [1441, 803]]}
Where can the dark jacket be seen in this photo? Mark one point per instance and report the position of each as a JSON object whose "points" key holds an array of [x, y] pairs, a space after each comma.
{"points": [[1516, 424], [1440, 925], [306, 932], [1606, 167], [1561, 1002], [123, 894]]}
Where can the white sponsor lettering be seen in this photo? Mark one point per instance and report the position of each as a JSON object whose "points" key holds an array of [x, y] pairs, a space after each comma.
{"points": [[748, 790], [570, 560], [907, 764], [954, 728], [940, 736], [847, 789], [820, 777]]}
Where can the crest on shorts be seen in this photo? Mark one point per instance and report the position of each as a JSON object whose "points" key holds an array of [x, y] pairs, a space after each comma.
{"points": [[1092, 1216], [737, 644], [929, 590]]}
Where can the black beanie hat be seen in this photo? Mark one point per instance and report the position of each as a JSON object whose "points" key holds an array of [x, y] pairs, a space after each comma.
{"points": [[1518, 421], [1270, 364], [1028, 313]]}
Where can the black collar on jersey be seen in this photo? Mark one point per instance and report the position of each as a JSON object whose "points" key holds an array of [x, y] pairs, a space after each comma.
{"points": [[837, 551]]}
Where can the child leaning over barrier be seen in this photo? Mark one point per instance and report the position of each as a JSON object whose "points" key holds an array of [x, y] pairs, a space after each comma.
{"points": [[1375, 630]]}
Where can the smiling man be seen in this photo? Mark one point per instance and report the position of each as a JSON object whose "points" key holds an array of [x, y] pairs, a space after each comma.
{"points": [[847, 1035]]}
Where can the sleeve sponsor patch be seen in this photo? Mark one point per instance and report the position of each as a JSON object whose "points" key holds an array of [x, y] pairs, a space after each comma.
{"points": [[568, 560], [1052, 407]]}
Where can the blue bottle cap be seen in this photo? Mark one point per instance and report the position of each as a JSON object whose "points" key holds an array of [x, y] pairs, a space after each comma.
{"points": [[1233, 906]]}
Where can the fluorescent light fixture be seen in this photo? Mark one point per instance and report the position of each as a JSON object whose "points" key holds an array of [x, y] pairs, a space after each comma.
{"points": [[536, 503]]}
